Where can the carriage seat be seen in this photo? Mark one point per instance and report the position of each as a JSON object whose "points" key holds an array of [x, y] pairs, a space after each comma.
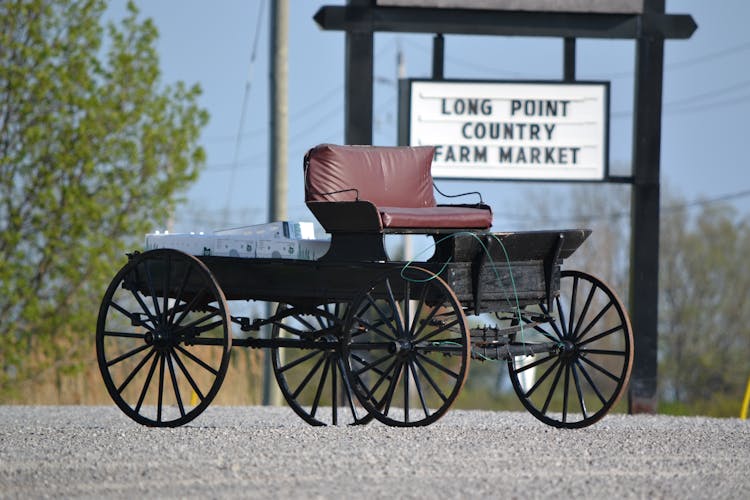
{"points": [[364, 189], [360, 193]]}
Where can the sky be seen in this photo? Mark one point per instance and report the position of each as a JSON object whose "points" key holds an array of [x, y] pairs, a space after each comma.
{"points": [[224, 47]]}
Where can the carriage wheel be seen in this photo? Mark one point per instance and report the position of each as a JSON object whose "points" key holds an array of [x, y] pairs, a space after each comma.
{"points": [[162, 338], [583, 377], [309, 367], [407, 347]]}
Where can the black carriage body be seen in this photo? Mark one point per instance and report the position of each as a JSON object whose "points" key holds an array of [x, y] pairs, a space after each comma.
{"points": [[487, 272]]}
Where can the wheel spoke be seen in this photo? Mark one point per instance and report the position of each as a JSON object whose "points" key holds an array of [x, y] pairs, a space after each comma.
{"points": [[438, 331], [552, 389], [435, 386], [394, 307], [418, 387], [309, 377], [384, 318], [129, 315], [197, 360], [591, 382], [334, 389], [438, 366], [566, 387], [600, 368], [189, 377], [146, 384], [191, 305], [319, 391], [373, 328], [405, 369], [152, 290], [127, 355], [418, 312], [298, 361], [552, 322], [135, 371], [587, 304], [535, 364], [172, 375], [579, 392], [388, 397], [573, 297], [154, 320], [180, 291], [371, 365], [605, 352], [127, 335], [541, 379], [595, 320], [161, 388], [601, 335], [561, 313]]}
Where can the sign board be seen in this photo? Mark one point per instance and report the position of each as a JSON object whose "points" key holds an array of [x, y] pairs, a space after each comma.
{"points": [[597, 6], [509, 130]]}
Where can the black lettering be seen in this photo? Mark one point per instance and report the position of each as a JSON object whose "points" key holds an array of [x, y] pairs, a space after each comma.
{"points": [[575, 155], [534, 131], [562, 156], [494, 130], [464, 129], [480, 154], [438, 152], [521, 158], [549, 128], [549, 156], [464, 152], [449, 155], [486, 107], [480, 131], [506, 154], [520, 127], [535, 154], [508, 131], [443, 109], [515, 105]]}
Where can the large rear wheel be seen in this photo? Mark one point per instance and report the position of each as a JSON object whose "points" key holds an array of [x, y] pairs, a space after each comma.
{"points": [[407, 346], [162, 338]]}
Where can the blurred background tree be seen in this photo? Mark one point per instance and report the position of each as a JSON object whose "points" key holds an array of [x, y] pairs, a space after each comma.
{"points": [[94, 152]]}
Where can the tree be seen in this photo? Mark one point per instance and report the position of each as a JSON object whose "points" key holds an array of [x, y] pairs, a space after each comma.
{"points": [[704, 332], [94, 151]]}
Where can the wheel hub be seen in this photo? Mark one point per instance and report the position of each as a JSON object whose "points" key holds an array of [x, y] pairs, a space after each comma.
{"points": [[160, 339], [568, 349]]}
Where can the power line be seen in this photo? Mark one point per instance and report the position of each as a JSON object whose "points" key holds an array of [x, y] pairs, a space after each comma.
{"points": [[248, 84]]}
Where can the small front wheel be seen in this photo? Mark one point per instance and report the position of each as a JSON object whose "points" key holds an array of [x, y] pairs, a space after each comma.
{"points": [[587, 366]]}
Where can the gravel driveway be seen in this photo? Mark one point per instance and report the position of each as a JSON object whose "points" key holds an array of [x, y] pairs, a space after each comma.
{"points": [[256, 452]]}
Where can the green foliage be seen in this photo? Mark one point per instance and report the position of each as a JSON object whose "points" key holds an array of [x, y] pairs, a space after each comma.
{"points": [[94, 151], [704, 332]]}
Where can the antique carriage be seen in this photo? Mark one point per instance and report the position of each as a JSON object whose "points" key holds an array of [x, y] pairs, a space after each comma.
{"points": [[356, 335]]}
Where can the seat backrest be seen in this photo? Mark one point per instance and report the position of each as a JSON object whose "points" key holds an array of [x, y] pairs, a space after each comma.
{"points": [[386, 176]]}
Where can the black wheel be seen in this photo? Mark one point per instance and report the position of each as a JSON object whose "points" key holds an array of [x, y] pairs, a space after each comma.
{"points": [[590, 354], [309, 367], [407, 347], [162, 338]]}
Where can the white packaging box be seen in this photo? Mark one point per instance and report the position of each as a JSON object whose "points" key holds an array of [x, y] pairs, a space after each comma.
{"points": [[239, 246], [194, 244], [292, 249], [292, 230]]}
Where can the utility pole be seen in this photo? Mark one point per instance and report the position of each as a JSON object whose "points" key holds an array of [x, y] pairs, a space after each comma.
{"points": [[278, 126]]}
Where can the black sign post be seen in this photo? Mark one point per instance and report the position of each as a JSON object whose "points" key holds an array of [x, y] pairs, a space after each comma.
{"points": [[644, 21]]}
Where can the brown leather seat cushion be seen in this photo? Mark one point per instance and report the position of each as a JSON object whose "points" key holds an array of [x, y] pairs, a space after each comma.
{"points": [[435, 217]]}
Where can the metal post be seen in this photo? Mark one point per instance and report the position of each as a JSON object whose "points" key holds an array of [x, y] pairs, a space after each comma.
{"points": [[438, 57], [359, 84], [644, 259], [278, 118], [569, 59]]}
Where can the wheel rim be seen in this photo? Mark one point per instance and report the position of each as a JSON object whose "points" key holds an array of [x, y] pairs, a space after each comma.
{"points": [[407, 347], [163, 356], [586, 373], [309, 367]]}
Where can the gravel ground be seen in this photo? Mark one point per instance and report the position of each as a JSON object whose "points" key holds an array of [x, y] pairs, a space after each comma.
{"points": [[256, 452]]}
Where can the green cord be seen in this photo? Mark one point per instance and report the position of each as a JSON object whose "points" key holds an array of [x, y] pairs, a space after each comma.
{"points": [[492, 263]]}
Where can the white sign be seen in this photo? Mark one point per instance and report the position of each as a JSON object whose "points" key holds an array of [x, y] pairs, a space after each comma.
{"points": [[512, 130]]}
